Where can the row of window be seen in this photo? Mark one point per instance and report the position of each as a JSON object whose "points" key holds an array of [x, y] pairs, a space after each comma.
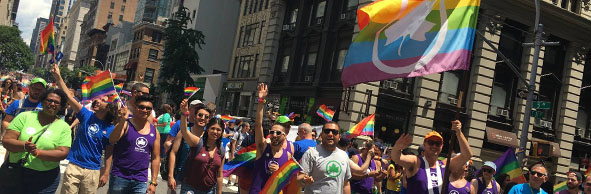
{"points": [[122, 7], [253, 6], [251, 34], [156, 36], [245, 66], [307, 67]]}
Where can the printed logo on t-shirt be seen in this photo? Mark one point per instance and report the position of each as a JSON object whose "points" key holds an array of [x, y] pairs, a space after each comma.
{"points": [[30, 130], [488, 192], [453, 192], [333, 169], [93, 130], [434, 178], [140, 144]]}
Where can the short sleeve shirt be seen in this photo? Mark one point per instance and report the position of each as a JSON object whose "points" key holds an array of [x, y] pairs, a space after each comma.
{"points": [[301, 147], [58, 134], [525, 189], [91, 138], [27, 106], [330, 170], [165, 118]]}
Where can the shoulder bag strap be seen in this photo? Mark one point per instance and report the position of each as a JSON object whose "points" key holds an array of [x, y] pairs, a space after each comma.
{"points": [[22, 160]]}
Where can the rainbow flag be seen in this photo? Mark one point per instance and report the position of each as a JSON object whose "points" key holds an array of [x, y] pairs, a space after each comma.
{"points": [[126, 92], [559, 187], [47, 39], [507, 164], [226, 118], [241, 164], [588, 172], [98, 86], [365, 127], [189, 91], [408, 38], [119, 87], [325, 113], [281, 177], [114, 98]]}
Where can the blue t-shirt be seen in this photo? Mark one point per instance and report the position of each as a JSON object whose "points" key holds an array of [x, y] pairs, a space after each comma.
{"points": [[174, 130], [301, 147], [27, 106], [91, 138], [525, 189]]}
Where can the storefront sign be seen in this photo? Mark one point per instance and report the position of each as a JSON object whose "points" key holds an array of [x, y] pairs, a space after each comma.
{"points": [[501, 137], [234, 85]]}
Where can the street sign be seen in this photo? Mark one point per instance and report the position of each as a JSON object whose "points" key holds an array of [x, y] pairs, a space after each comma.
{"points": [[537, 114], [522, 93], [541, 105]]}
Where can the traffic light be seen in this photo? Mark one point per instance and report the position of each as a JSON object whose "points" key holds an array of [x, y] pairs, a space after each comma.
{"points": [[540, 149]]}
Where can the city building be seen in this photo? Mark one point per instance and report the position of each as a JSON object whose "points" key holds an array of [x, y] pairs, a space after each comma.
{"points": [[36, 39], [71, 32], [8, 10], [119, 38], [101, 15], [59, 11], [254, 53]]}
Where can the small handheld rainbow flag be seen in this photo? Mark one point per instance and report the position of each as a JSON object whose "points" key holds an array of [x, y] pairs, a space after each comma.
{"points": [[126, 92], [281, 177], [325, 113], [365, 127], [226, 118], [98, 86], [114, 98], [119, 87], [189, 91]]}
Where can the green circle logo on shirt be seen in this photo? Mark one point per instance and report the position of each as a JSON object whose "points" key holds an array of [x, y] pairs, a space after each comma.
{"points": [[333, 169]]}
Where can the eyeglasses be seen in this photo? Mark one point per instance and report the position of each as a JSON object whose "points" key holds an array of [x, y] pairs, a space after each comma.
{"points": [[538, 174], [434, 143], [488, 170], [275, 132], [49, 101], [140, 107], [328, 131], [203, 116]]}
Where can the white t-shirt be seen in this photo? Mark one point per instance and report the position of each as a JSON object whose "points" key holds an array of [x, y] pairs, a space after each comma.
{"points": [[329, 169]]}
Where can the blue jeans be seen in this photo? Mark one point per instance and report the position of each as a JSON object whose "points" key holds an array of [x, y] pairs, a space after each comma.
{"points": [[186, 188], [122, 185]]}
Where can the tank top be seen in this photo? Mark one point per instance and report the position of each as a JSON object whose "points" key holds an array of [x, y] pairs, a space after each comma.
{"points": [[363, 186], [483, 190], [132, 154], [454, 190], [418, 182], [262, 172], [203, 171]]}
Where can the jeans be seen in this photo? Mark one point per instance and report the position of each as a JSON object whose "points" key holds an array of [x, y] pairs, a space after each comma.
{"points": [[122, 185], [390, 192], [36, 182], [188, 189]]}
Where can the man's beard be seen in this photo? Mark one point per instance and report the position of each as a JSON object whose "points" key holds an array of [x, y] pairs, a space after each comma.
{"points": [[279, 142]]}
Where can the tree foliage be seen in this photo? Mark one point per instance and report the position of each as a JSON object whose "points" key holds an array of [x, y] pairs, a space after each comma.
{"points": [[14, 52], [180, 58], [72, 78]]}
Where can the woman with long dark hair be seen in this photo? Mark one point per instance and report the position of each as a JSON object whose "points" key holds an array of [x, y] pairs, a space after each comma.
{"points": [[205, 164]]}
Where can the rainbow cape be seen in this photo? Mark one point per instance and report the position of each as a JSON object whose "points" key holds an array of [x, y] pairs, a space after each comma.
{"points": [[507, 164], [242, 164], [191, 90], [119, 87], [365, 127], [47, 39], [281, 177], [408, 38], [325, 113], [98, 86]]}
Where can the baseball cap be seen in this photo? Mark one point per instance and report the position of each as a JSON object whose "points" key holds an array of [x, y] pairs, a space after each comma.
{"points": [[196, 102], [491, 164], [282, 119], [39, 80], [344, 141], [434, 135]]}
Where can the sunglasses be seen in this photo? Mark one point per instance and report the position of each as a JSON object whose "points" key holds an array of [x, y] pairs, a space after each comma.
{"points": [[328, 131], [538, 174], [140, 107], [434, 143], [588, 184], [488, 170], [275, 132], [49, 101], [203, 116]]}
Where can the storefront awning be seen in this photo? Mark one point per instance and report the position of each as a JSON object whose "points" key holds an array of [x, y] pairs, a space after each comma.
{"points": [[501, 137]]}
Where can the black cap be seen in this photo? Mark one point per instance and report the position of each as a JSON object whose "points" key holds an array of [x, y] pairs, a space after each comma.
{"points": [[344, 141]]}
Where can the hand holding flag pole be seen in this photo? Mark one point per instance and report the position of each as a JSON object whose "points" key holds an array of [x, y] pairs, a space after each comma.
{"points": [[116, 93]]}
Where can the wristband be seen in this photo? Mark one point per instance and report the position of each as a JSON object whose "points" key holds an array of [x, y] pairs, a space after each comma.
{"points": [[153, 183], [186, 114], [37, 153], [262, 100]]}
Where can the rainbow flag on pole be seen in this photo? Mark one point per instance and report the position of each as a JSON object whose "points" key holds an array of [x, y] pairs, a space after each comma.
{"points": [[98, 86], [241, 164], [365, 127], [47, 39], [507, 164], [119, 87], [189, 91], [408, 38], [281, 177], [226, 118], [325, 113]]}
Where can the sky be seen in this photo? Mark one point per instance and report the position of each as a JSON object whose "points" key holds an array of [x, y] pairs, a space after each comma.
{"points": [[28, 12]]}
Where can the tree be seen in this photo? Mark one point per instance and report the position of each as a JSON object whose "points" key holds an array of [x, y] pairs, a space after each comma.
{"points": [[180, 58], [72, 78], [14, 52]]}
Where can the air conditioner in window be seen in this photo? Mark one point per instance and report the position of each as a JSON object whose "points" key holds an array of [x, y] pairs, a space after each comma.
{"points": [[537, 122], [386, 84], [394, 85], [502, 112], [319, 21], [307, 78], [287, 27], [547, 124], [343, 16], [452, 100]]}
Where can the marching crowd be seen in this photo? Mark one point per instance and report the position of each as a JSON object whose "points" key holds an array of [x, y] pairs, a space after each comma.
{"points": [[127, 145]]}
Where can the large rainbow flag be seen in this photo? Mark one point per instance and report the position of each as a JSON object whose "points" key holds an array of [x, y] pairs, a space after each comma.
{"points": [[281, 177], [47, 39], [408, 38], [98, 86], [241, 164], [507, 164], [559, 187], [365, 127]]}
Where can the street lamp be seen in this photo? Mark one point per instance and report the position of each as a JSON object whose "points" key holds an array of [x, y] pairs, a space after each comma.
{"points": [[102, 66]]}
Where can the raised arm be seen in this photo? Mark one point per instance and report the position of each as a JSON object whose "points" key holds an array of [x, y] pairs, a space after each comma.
{"points": [[189, 137], [258, 122], [55, 71], [466, 153], [356, 169], [121, 126], [406, 161]]}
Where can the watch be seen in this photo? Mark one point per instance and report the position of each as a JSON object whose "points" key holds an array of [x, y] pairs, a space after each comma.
{"points": [[153, 183]]}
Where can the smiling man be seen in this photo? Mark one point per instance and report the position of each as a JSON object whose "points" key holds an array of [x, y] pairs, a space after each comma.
{"points": [[31, 103], [537, 176], [573, 181]]}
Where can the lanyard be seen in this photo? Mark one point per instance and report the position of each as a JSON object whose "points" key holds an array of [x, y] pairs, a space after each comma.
{"points": [[428, 173]]}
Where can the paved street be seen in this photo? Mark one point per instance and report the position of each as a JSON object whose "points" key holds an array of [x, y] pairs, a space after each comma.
{"points": [[161, 183]]}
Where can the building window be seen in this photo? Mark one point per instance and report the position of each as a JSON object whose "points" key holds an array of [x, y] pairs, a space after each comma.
{"points": [[261, 5], [120, 18], [234, 69], [153, 54], [149, 75], [112, 5], [245, 7], [341, 59], [122, 8], [285, 64], [251, 6], [449, 87], [320, 7], [244, 66], [261, 32], [266, 4], [256, 4], [113, 44], [249, 34], [254, 65], [240, 36], [352, 4], [293, 16], [194, 13], [551, 81], [110, 16], [156, 36]]}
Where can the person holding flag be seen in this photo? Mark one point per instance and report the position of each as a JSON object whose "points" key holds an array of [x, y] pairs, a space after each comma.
{"points": [[425, 174]]}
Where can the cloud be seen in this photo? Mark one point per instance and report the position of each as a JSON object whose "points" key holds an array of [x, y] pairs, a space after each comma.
{"points": [[28, 12]]}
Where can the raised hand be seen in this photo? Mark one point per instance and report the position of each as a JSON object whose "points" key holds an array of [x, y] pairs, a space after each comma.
{"points": [[55, 71], [404, 141], [184, 106], [123, 114], [456, 126], [263, 91]]}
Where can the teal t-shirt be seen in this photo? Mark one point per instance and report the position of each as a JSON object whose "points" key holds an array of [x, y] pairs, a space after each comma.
{"points": [[58, 134], [165, 118]]}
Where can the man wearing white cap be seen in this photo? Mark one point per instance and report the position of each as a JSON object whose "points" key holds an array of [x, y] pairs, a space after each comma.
{"points": [[486, 182]]}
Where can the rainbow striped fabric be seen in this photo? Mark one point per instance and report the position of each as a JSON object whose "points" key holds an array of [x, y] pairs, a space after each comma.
{"points": [[281, 177], [226, 118], [47, 39], [189, 91], [98, 86], [114, 98], [325, 113], [241, 164], [559, 187], [119, 87], [126, 92], [507, 164], [365, 127], [408, 38]]}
